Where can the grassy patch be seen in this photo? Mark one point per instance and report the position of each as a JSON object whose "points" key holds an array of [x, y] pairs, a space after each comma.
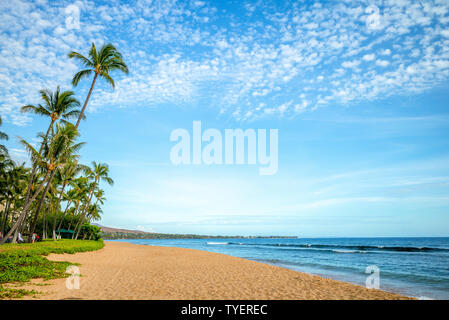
{"points": [[23, 262]]}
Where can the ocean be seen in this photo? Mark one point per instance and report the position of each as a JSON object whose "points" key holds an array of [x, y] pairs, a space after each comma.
{"points": [[415, 267]]}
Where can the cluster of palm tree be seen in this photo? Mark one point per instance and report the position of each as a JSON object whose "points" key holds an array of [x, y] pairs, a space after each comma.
{"points": [[56, 191]]}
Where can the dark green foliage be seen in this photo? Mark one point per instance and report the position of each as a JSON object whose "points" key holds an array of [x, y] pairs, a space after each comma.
{"points": [[90, 232]]}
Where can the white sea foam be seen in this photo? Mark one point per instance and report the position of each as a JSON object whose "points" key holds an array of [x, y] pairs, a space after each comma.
{"points": [[345, 251]]}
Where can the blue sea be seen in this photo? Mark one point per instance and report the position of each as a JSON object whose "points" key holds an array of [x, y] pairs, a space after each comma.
{"points": [[415, 267]]}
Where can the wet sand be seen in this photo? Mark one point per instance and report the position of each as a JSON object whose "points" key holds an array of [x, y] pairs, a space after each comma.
{"points": [[128, 271]]}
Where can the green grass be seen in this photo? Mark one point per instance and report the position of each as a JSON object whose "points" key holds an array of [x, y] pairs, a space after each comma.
{"points": [[23, 262]]}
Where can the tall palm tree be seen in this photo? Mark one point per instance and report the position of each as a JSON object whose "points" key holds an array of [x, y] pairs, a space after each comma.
{"points": [[99, 172], [101, 64], [56, 153], [12, 185], [67, 173], [67, 135], [55, 105], [82, 189]]}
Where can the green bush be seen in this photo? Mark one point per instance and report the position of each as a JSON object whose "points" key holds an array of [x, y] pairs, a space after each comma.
{"points": [[90, 232]]}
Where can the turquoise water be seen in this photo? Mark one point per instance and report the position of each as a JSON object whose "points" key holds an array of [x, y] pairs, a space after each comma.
{"points": [[417, 267]]}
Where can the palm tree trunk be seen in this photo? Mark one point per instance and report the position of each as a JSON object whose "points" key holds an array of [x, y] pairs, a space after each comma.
{"points": [[78, 223], [5, 215], [86, 207], [57, 209], [44, 223], [63, 216], [87, 100], [34, 169], [24, 212], [73, 216], [36, 214]]}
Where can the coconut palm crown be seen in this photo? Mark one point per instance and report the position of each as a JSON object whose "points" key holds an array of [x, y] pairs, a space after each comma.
{"points": [[56, 105], [101, 63]]}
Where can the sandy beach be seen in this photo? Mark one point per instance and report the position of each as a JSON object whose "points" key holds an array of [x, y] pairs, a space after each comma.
{"points": [[129, 271]]}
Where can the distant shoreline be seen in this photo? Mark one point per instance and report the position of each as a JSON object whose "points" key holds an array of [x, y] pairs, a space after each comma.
{"points": [[137, 236], [123, 234]]}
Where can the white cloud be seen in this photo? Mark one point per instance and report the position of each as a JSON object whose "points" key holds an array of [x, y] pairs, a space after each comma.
{"points": [[350, 64], [369, 57], [382, 63]]}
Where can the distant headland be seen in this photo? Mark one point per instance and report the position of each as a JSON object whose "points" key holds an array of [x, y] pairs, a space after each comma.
{"points": [[114, 233]]}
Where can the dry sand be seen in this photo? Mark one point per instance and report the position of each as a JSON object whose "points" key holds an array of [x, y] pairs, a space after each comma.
{"points": [[129, 271]]}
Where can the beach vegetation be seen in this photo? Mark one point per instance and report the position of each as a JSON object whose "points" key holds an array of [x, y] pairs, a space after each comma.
{"points": [[20, 263]]}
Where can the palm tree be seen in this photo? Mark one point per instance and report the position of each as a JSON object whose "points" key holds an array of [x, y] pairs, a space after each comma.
{"points": [[67, 135], [94, 212], [55, 105], [99, 195], [12, 184], [10, 176], [81, 192], [67, 173], [69, 197], [101, 64], [3, 136], [56, 153], [99, 172]]}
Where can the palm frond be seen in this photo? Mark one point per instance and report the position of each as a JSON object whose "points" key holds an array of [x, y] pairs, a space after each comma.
{"points": [[109, 180], [84, 61], [4, 151], [118, 64], [39, 110], [106, 52], [80, 75], [73, 115], [35, 155], [46, 95], [93, 55], [108, 79]]}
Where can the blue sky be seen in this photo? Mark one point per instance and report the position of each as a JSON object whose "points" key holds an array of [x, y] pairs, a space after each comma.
{"points": [[358, 91]]}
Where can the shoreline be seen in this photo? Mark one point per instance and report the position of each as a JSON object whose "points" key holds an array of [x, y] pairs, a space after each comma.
{"points": [[123, 271]]}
